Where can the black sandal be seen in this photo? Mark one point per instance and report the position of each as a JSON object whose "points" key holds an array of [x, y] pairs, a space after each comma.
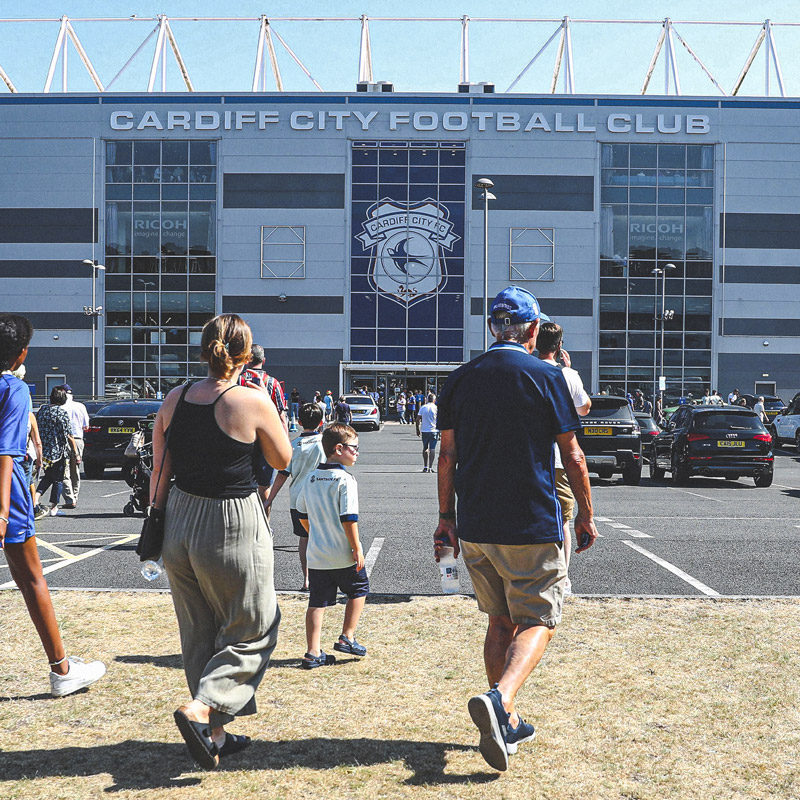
{"points": [[197, 736], [233, 744]]}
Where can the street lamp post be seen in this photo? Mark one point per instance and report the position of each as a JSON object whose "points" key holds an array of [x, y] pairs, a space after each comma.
{"points": [[662, 317], [485, 184], [94, 311]]}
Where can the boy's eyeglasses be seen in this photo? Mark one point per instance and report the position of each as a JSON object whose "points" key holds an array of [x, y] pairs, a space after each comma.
{"points": [[353, 447]]}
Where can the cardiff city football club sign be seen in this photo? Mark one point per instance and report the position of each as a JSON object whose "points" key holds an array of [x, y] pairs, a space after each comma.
{"points": [[407, 241]]}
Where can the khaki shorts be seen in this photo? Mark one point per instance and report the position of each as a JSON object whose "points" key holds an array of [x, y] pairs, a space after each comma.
{"points": [[565, 497], [523, 582]]}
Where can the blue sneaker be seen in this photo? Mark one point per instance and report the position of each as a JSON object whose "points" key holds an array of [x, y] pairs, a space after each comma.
{"points": [[524, 732], [491, 719]]}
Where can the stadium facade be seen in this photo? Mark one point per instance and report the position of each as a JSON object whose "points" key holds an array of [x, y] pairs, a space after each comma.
{"points": [[347, 230]]}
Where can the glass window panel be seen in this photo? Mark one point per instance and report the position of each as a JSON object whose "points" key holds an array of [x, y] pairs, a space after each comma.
{"points": [[145, 191], [202, 229], [395, 157], [614, 155], [673, 358], [424, 157], [146, 174], [643, 227], [614, 232], [173, 152], [671, 232], [614, 177], [612, 356], [174, 228], [118, 335], [120, 191], [614, 194], [698, 287], [146, 225], [643, 194], [364, 174], [672, 155], [364, 191], [699, 233], [174, 191], [202, 174], [147, 152], [119, 152], [643, 177], [643, 155], [641, 358], [642, 340], [118, 281], [202, 191], [613, 340], [613, 320], [613, 269], [147, 265], [700, 196], [698, 341], [172, 174], [699, 178], [697, 358], [613, 285], [642, 286], [203, 152], [673, 340], [671, 178], [118, 174], [699, 269], [202, 283], [700, 156], [201, 302], [118, 228], [203, 266], [173, 283]]}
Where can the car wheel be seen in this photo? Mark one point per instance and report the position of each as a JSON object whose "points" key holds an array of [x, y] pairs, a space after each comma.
{"points": [[773, 432], [797, 439], [632, 476], [763, 480], [93, 470], [680, 474], [656, 473]]}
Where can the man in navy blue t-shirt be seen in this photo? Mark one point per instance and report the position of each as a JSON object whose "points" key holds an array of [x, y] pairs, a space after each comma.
{"points": [[499, 416]]}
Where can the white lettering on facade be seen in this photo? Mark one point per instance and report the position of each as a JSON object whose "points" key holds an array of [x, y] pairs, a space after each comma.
{"points": [[651, 227], [453, 121], [117, 123], [426, 121], [267, 117], [397, 118], [206, 121], [179, 119], [619, 123], [662, 126], [297, 125], [339, 116], [640, 127], [365, 119], [507, 121], [697, 123], [150, 120], [537, 121], [560, 126], [245, 117], [482, 117], [583, 127]]}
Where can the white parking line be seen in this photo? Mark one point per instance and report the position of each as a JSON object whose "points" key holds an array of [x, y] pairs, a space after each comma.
{"points": [[602, 519], [114, 494], [705, 497], [66, 562], [372, 554], [701, 587], [781, 486], [52, 548], [617, 525], [637, 534]]}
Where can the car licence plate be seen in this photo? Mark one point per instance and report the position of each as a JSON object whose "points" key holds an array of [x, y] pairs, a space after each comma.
{"points": [[122, 430], [730, 444], [598, 431]]}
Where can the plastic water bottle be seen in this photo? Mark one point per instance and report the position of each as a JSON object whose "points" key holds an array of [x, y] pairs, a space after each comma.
{"points": [[152, 569], [448, 568]]}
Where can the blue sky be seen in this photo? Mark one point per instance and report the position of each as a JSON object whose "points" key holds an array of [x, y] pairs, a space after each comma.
{"points": [[415, 56]]}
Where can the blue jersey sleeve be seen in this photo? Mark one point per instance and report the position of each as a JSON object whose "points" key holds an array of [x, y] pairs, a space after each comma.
{"points": [[14, 406]]}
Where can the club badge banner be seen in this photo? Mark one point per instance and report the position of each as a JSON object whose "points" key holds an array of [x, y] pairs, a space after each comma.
{"points": [[407, 240]]}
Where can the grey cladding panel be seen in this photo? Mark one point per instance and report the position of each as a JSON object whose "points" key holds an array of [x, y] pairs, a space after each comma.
{"points": [[47, 225], [761, 231], [760, 327], [44, 269], [283, 190], [245, 304], [760, 275], [553, 308], [539, 193]]}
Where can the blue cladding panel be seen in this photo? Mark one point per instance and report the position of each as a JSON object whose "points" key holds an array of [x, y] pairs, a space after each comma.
{"points": [[407, 254]]}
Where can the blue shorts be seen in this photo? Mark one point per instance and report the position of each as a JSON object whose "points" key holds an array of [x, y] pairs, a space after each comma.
{"points": [[20, 516], [297, 526], [429, 440], [323, 584]]}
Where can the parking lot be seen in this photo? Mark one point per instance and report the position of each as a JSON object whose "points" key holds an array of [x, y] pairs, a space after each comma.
{"points": [[710, 538]]}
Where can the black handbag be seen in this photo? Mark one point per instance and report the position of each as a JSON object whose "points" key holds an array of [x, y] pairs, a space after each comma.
{"points": [[151, 539]]}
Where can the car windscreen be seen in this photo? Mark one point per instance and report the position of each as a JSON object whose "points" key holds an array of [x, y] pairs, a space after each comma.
{"points": [[358, 399], [609, 408], [129, 409], [727, 420], [773, 403]]}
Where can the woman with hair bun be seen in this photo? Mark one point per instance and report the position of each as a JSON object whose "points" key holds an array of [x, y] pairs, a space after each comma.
{"points": [[217, 542]]}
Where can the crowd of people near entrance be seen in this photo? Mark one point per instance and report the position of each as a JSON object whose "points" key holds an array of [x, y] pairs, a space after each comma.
{"points": [[217, 446]]}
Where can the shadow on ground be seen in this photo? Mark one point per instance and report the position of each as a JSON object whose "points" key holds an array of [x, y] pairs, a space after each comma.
{"points": [[151, 765]]}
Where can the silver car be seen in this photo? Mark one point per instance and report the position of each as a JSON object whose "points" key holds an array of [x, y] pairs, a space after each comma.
{"points": [[365, 410]]}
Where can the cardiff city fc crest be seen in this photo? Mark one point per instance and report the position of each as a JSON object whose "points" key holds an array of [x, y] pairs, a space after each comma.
{"points": [[407, 242]]}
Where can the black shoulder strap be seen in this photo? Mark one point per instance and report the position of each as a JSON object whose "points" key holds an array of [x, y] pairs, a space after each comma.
{"points": [[169, 433]]}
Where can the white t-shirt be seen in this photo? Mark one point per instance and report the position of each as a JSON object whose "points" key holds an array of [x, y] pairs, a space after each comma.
{"points": [[579, 398], [427, 418], [307, 455], [733, 398], [78, 416], [328, 497]]}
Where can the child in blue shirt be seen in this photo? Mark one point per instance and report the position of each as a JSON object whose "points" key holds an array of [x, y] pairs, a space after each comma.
{"points": [[17, 534], [328, 508], [307, 453]]}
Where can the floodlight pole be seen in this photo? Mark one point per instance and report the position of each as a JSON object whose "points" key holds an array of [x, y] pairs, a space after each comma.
{"points": [[662, 317], [484, 184]]}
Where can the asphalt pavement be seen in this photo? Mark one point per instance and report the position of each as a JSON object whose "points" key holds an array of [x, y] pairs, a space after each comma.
{"points": [[710, 538]]}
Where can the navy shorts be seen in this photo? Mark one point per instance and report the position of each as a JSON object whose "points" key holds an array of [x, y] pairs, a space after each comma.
{"points": [[264, 472], [323, 584], [297, 526], [429, 440]]}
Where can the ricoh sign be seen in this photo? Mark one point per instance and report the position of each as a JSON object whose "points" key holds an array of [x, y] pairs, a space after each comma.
{"points": [[401, 121]]}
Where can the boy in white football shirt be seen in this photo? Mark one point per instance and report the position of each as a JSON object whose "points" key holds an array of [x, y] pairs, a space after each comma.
{"points": [[307, 453], [328, 508]]}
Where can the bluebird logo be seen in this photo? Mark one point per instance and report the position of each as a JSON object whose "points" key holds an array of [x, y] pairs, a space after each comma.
{"points": [[407, 241]]}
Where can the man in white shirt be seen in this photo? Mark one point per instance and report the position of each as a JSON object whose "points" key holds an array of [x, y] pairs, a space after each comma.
{"points": [[79, 422], [760, 410], [426, 427], [550, 350]]}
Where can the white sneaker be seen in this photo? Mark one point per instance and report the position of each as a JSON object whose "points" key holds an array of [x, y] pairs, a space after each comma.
{"points": [[80, 675], [53, 512]]}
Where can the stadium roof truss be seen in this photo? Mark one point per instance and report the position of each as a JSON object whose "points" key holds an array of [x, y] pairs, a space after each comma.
{"points": [[266, 55]]}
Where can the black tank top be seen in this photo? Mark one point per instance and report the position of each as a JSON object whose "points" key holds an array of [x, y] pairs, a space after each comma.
{"points": [[205, 460]]}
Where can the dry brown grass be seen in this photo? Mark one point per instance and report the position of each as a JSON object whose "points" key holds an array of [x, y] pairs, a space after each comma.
{"points": [[635, 699]]}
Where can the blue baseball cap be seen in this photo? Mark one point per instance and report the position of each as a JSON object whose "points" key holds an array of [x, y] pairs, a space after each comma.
{"points": [[517, 305]]}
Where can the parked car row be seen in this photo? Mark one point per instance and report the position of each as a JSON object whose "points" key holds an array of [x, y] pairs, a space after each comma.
{"points": [[727, 441]]}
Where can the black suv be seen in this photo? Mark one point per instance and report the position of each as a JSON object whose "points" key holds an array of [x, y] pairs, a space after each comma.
{"points": [[730, 441], [611, 439]]}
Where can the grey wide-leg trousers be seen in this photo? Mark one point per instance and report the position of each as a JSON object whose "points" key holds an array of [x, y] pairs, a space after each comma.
{"points": [[218, 556]]}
